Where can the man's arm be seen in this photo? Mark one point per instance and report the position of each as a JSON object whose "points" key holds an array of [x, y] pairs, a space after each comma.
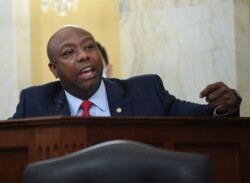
{"points": [[222, 98]]}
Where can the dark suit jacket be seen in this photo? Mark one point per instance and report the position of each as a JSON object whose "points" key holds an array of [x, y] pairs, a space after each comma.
{"points": [[138, 96]]}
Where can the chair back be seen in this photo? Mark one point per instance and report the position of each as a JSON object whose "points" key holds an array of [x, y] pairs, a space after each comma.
{"points": [[121, 161]]}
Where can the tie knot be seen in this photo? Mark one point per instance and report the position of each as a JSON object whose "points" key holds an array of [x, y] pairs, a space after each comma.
{"points": [[86, 106]]}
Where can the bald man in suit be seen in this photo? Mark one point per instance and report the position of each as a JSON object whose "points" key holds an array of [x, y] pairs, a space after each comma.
{"points": [[75, 59]]}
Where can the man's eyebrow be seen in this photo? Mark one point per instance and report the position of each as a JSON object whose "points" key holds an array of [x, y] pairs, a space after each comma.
{"points": [[72, 44], [88, 38], [83, 40], [66, 44]]}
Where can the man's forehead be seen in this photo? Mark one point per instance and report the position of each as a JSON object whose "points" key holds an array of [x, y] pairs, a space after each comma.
{"points": [[65, 33], [71, 31]]}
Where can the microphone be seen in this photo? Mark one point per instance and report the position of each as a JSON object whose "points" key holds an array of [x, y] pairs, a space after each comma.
{"points": [[59, 106]]}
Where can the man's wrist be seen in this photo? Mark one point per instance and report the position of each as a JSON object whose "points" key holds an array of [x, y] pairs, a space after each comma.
{"points": [[221, 115], [226, 113], [237, 95]]}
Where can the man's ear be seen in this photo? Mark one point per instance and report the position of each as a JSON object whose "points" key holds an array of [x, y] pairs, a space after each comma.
{"points": [[52, 68]]}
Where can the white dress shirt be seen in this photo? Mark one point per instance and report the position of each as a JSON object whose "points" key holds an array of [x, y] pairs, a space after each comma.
{"points": [[100, 106]]}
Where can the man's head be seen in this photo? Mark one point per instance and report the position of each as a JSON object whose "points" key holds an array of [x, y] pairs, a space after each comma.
{"points": [[75, 60]]}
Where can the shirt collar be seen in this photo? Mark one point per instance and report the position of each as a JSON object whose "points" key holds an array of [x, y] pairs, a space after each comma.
{"points": [[99, 99]]}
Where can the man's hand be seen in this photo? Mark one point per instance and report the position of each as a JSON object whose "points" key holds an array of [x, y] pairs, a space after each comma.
{"points": [[221, 97]]}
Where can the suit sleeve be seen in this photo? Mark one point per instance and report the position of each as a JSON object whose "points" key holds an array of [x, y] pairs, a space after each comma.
{"points": [[20, 109], [176, 107]]}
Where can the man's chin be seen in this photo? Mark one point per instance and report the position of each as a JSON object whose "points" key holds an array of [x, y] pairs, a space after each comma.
{"points": [[90, 87], [90, 84]]}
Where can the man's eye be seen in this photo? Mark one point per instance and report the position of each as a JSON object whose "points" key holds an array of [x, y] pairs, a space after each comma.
{"points": [[68, 53], [89, 47]]}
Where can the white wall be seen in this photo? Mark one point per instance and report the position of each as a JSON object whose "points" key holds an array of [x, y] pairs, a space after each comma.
{"points": [[190, 44], [14, 53]]}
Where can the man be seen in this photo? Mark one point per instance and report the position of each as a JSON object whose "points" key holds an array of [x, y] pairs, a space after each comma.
{"points": [[76, 61]]}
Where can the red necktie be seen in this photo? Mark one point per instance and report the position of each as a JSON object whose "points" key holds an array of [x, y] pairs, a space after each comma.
{"points": [[86, 106]]}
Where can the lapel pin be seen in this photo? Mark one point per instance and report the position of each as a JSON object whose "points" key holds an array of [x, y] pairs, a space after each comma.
{"points": [[118, 110]]}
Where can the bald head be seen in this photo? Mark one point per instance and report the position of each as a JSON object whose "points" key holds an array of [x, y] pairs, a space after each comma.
{"points": [[59, 36], [75, 60]]}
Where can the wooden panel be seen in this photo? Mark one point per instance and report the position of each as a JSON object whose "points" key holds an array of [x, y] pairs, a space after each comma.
{"points": [[225, 140], [12, 163], [224, 159]]}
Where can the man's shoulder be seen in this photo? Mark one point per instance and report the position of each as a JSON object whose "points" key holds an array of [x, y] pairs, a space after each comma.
{"points": [[48, 87], [140, 82], [139, 78]]}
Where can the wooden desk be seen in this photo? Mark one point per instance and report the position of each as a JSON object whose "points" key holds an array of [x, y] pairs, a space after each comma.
{"points": [[226, 141]]}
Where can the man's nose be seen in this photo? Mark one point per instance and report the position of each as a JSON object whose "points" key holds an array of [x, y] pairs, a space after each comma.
{"points": [[82, 55]]}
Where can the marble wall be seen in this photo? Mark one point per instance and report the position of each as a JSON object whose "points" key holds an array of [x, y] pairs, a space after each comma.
{"points": [[189, 43], [14, 53], [7, 59]]}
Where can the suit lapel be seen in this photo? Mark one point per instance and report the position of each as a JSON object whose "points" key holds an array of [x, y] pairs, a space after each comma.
{"points": [[119, 105], [60, 105]]}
